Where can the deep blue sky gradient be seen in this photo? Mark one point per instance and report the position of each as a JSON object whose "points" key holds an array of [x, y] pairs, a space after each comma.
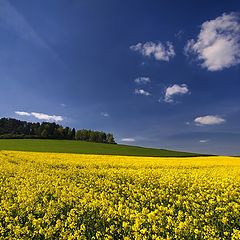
{"points": [[77, 53]]}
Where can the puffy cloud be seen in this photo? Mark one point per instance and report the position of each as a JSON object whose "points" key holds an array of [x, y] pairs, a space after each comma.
{"points": [[41, 116], [158, 50], [209, 120], [142, 80], [203, 140], [46, 117], [105, 114], [128, 140], [218, 43], [173, 90], [142, 92], [22, 113]]}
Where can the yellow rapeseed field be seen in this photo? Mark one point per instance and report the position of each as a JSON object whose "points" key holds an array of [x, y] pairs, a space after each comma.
{"points": [[70, 196]]}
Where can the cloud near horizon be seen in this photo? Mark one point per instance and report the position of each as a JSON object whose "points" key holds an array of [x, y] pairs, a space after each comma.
{"points": [[174, 90], [128, 140], [41, 116], [218, 43], [22, 113], [209, 120], [158, 50]]}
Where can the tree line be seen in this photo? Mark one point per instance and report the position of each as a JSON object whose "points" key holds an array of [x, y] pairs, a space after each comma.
{"points": [[13, 128]]}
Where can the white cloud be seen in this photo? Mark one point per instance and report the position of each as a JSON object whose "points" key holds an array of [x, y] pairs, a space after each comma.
{"points": [[203, 140], [173, 90], [158, 50], [218, 43], [41, 116], [128, 140], [22, 113], [209, 120], [46, 117], [63, 105], [105, 114], [142, 80], [142, 92]]}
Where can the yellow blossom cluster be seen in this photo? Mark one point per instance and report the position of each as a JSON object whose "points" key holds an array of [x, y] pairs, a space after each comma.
{"points": [[71, 196]]}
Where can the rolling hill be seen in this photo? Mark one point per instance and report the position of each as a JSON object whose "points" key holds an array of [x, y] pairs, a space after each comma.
{"points": [[68, 146]]}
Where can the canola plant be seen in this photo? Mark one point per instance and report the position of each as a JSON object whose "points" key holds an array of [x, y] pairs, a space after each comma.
{"points": [[70, 196]]}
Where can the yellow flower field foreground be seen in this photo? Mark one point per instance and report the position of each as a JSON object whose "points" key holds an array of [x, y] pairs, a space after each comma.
{"points": [[70, 196]]}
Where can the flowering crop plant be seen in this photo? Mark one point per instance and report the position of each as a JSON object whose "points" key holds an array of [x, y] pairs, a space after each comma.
{"points": [[73, 196]]}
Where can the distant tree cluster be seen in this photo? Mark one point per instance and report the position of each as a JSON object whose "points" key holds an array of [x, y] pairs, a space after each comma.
{"points": [[13, 128], [94, 136]]}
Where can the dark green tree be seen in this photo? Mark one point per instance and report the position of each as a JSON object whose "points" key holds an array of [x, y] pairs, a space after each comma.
{"points": [[110, 138], [13, 128]]}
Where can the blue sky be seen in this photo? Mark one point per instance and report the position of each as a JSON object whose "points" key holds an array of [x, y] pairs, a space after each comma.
{"points": [[159, 74]]}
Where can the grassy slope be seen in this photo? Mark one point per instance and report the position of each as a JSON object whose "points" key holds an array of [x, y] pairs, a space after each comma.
{"points": [[66, 146]]}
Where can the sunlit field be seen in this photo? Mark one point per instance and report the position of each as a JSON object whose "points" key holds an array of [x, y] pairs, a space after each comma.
{"points": [[72, 196]]}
